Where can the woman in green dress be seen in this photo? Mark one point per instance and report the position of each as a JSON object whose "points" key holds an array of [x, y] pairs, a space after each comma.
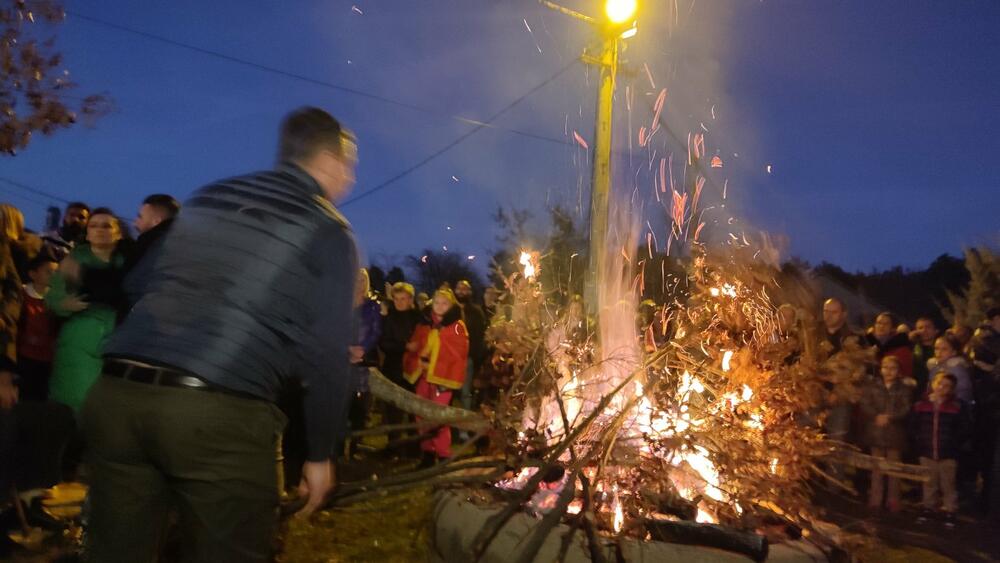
{"points": [[86, 292]]}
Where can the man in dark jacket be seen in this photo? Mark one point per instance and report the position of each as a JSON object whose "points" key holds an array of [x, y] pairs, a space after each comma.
{"points": [[888, 342], [156, 214], [475, 322], [397, 328], [923, 338], [251, 287], [71, 232]]}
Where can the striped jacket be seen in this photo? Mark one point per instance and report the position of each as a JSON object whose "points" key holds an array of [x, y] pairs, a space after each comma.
{"points": [[252, 286]]}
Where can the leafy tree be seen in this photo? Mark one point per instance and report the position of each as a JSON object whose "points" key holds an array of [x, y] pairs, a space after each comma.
{"points": [[983, 292], [34, 88]]}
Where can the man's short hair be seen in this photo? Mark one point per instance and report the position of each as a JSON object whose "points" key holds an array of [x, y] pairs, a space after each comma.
{"points": [[306, 131], [837, 301], [928, 319], [164, 203], [78, 205]]}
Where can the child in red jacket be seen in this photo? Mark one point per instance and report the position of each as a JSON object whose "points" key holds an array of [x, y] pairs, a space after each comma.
{"points": [[435, 361], [36, 331]]}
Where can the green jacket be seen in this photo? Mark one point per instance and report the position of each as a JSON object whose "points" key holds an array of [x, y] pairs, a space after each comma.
{"points": [[77, 363]]}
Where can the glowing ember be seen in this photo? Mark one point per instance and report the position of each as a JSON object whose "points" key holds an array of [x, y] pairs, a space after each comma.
{"points": [[618, 520], [530, 270], [726, 358]]}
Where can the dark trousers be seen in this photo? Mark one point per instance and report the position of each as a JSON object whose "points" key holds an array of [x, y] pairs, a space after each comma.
{"points": [[33, 439], [34, 379], [209, 455]]}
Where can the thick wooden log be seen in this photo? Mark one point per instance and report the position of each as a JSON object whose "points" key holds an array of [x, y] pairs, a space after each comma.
{"points": [[430, 411], [709, 535], [890, 468]]}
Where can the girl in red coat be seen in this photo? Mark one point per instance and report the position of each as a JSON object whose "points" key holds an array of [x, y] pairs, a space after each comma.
{"points": [[435, 363]]}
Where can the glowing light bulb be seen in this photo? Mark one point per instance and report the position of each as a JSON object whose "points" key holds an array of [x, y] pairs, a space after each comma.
{"points": [[620, 11]]}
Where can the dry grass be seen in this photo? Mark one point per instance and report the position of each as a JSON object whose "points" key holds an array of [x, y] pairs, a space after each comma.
{"points": [[395, 527]]}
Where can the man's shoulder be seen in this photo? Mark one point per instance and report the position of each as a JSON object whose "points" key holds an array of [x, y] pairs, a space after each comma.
{"points": [[281, 182]]}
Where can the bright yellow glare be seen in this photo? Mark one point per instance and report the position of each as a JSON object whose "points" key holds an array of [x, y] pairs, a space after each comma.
{"points": [[620, 11]]}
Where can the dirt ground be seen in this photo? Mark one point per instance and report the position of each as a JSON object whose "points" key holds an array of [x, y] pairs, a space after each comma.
{"points": [[396, 527]]}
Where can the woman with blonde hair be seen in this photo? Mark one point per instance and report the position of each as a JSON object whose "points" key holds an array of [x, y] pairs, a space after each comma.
{"points": [[24, 245]]}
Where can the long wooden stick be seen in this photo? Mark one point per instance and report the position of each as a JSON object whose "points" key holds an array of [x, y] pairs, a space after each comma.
{"points": [[384, 389]]}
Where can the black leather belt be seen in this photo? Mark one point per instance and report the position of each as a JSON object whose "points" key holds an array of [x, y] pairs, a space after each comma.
{"points": [[168, 377]]}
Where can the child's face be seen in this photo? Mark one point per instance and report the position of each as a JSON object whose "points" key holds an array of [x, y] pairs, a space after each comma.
{"points": [[42, 275], [943, 386], [943, 350], [441, 305], [890, 371]]}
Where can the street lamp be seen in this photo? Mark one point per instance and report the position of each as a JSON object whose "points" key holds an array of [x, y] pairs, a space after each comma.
{"points": [[620, 11], [619, 24]]}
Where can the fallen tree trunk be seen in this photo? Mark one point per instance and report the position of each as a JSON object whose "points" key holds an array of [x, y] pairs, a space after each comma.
{"points": [[430, 411]]}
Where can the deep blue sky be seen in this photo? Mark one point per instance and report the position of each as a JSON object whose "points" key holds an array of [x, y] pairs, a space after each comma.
{"points": [[879, 119]]}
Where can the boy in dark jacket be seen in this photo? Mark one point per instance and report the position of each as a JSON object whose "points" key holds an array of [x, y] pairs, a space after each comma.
{"points": [[400, 321], [941, 428]]}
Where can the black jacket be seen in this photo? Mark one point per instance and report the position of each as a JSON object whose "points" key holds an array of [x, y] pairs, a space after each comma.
{"points": [[397, 327], [940, 431], [252, 285], [475, 322], [144, 243]]}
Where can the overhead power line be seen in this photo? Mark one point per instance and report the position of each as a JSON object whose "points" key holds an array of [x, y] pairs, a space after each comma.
{"points": [[33, 189], [458, 140], [310, 80]]}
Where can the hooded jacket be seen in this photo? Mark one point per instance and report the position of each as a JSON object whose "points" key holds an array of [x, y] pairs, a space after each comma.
{"points": [[444, 344]]}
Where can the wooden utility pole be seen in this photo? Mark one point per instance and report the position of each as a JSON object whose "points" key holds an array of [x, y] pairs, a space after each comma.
{"points": [[601, 179]]}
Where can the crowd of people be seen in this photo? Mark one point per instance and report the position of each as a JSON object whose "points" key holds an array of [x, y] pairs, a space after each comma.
{"points": [[158, 363], [932, 398]]}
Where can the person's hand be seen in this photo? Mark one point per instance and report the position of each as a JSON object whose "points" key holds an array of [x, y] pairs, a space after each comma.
{"points": [[70, 269], [74, 304], [881, 420], [318, 479], [8, 391], [411, 346], [357, 353]]}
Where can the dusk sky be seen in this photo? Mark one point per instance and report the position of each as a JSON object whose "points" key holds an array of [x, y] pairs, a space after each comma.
{"points": [[879, 119]]}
